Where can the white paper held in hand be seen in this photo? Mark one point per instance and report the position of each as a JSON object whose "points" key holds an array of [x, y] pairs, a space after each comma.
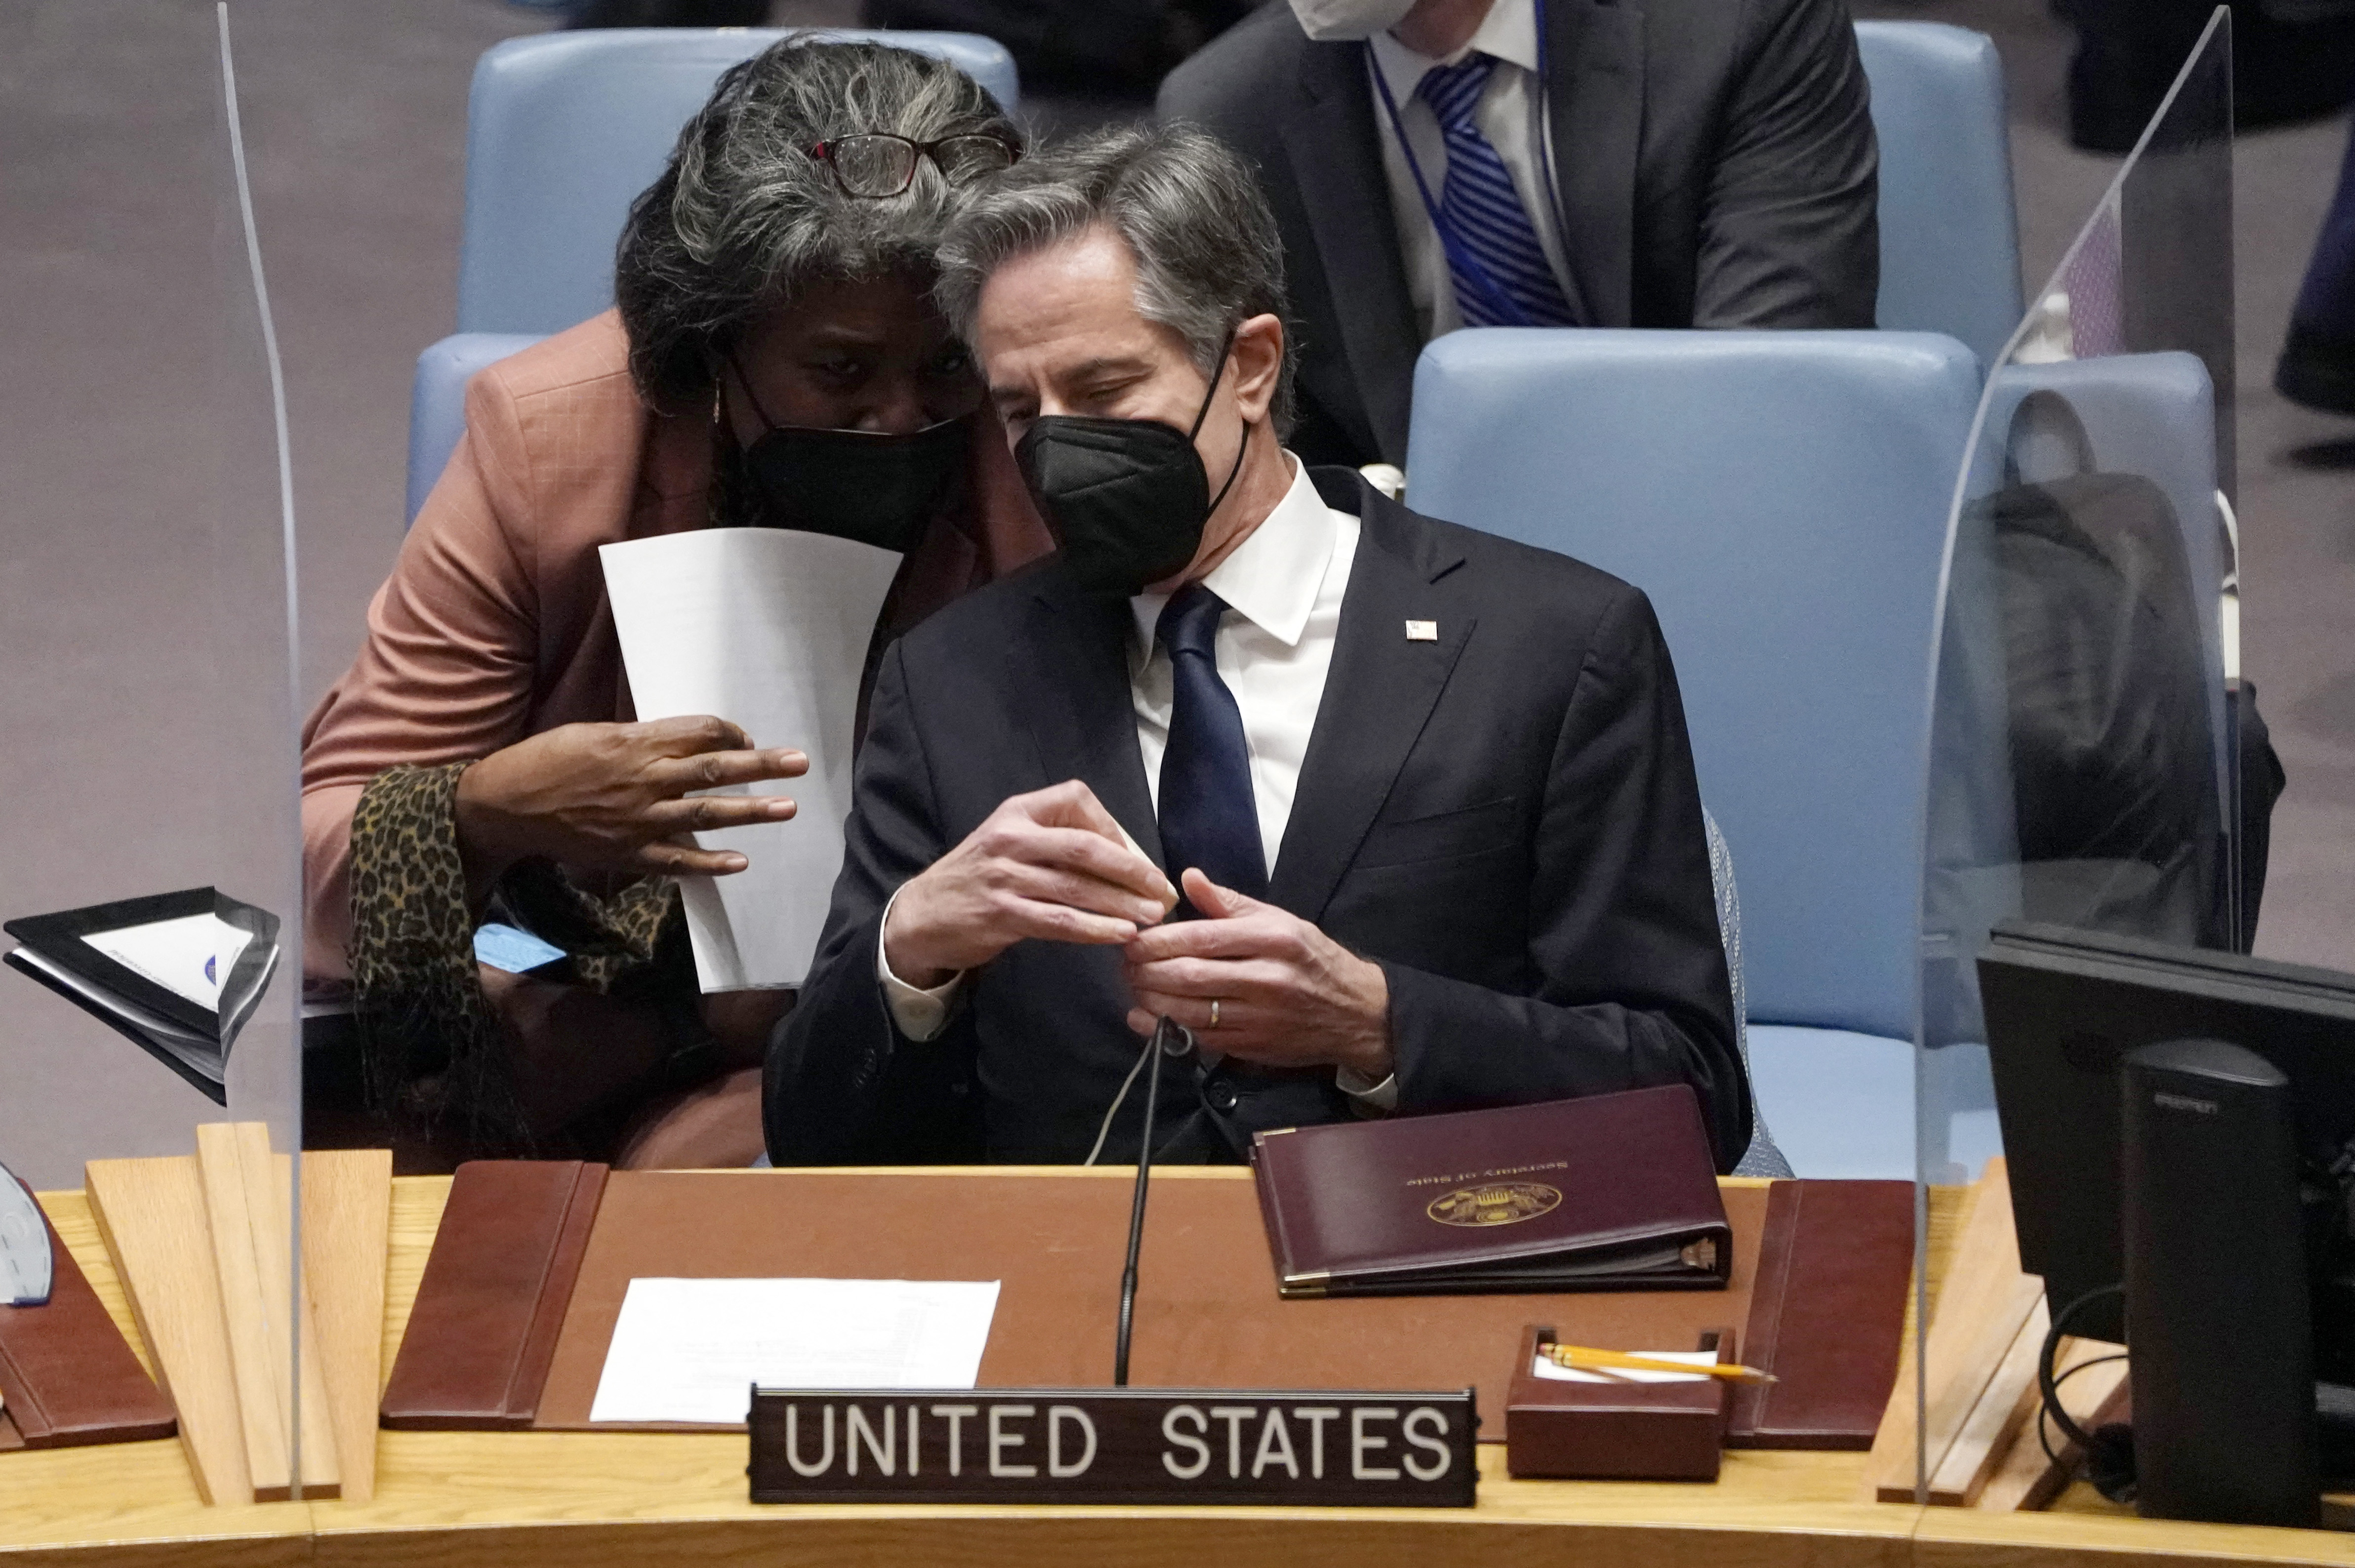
{"points": [[769, 629], [691, 1349]]}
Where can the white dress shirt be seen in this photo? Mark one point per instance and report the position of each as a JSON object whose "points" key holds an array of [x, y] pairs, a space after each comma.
{"points": [[1512, 116], [1283, 587]]}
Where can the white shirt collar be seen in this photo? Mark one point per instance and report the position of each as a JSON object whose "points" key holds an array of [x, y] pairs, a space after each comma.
{"points": [[1273, 577], [1509, 32]]}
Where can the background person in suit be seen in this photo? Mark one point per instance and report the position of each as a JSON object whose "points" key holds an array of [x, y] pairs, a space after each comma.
{"points": [[1428, 792], [1435, 164]]}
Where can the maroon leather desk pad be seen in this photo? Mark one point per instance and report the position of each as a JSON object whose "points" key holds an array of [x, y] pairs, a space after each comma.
{"points": [[1208, 1315]]}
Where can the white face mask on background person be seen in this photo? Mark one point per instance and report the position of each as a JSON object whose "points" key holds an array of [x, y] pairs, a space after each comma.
{"points": [[1343, 21]]}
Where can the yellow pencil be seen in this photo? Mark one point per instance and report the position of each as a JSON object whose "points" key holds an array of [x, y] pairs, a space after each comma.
{"points": [[1586, 1356]]}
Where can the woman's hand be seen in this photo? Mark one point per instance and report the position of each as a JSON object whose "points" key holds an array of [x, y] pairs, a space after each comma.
{"points": [[611, 797]]}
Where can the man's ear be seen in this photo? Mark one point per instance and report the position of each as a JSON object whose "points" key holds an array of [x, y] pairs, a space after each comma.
{"points": [[1258, 354]]}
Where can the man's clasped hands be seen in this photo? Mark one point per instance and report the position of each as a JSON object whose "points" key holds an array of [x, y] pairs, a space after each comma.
{"points": [[1252, 980]]}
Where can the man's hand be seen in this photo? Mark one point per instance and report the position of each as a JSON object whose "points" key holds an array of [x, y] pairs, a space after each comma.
{"points": [[1288, 995], [612, 797], [1052, 864]]}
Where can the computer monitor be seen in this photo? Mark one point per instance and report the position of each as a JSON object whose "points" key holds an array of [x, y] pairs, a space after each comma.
{"points": [[2063, 1005]]}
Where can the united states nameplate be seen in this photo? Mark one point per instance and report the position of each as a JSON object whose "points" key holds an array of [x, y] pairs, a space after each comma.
{"points": [[1115, 1445]]}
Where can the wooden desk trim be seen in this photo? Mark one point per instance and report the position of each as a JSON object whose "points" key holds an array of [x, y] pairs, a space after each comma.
{"points": [[460, 1500]]}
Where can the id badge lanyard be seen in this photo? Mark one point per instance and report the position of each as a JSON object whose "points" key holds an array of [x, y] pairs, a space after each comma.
{"points": [[1460, 258]]}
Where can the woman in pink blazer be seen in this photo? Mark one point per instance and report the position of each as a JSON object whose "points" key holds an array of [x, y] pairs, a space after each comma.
{"points": [[481, 760]]}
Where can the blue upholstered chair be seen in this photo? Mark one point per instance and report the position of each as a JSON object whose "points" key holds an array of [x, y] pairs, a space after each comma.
{"points": [[563, 130], [437, 402], [1782, 497], [1949, 239]]}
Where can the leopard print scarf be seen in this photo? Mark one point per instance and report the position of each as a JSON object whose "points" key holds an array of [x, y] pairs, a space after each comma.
{"points": [[431, 1049]]}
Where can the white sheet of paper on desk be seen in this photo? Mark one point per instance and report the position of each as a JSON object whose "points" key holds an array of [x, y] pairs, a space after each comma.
{"points": [[768, 629], [691, 1349], [1547, 1366]]}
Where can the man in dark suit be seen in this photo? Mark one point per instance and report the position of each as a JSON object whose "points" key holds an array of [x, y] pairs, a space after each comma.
{"points": [[1649, 163], [1426, 794]]}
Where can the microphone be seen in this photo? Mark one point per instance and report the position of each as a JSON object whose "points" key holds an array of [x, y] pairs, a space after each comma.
{"points": [[1170, 1038]]}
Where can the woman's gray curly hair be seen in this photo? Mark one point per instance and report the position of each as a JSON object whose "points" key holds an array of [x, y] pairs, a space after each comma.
{"points": [[744, 217]]}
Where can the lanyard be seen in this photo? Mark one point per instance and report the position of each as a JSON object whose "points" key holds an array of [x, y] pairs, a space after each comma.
{"points": [[1459, 256]]}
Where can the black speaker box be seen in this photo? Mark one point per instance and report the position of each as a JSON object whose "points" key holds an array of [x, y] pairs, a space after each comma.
{"points": [[2218, 1316]]}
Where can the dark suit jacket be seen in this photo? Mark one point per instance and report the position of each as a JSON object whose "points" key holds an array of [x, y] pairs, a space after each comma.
{"points": [[1505, 819], [1715, 160]]}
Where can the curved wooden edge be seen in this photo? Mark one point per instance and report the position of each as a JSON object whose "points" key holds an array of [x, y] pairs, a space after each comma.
{"points": [[2093, 1532], [594, 1500]]}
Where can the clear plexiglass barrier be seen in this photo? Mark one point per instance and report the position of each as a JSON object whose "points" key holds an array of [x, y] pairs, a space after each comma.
{"points": [[150, 1025], [2083, 776]]}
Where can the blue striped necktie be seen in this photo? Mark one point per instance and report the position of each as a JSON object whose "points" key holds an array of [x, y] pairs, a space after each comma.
{"points": [[1485, 223]]}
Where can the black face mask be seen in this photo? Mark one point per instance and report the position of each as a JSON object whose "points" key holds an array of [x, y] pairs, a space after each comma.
{"points": [[1126, 499], [852, 484]]}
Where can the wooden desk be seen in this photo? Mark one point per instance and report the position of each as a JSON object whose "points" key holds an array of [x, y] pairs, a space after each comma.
{"points": [[594, 1500]]}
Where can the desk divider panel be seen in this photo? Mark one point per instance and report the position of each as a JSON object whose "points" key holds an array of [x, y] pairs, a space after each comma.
{"points": [[154, 657], [2085, 761]]}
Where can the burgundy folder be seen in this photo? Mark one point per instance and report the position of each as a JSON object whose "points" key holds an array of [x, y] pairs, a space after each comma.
{"points": [[1609, 1192]]}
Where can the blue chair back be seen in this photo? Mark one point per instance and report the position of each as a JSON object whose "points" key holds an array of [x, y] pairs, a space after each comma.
{"points": [[563, 130], [1949, 239], [437, 402], [1783, 498]]}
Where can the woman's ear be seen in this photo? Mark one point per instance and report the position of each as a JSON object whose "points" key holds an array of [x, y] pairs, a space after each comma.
{"points": [[1258, 354]]}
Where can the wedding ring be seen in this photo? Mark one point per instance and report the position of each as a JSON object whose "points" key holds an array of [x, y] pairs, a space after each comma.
{"points": [[1214, 1012]]}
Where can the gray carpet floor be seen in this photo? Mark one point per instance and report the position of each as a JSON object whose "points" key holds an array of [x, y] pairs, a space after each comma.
{"points": [[125, 618]]}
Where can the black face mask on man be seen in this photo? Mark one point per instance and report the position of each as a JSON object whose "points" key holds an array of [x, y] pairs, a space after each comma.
{"points": [[852, 484], [1128, 500]]}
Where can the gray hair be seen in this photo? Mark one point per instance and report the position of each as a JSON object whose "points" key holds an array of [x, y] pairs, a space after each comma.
{"points": [[745, 216], [1209, 257]]}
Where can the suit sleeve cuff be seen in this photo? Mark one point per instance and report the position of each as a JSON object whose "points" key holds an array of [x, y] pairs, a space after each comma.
{"points": [[919, 1014], [1370, 1098]]}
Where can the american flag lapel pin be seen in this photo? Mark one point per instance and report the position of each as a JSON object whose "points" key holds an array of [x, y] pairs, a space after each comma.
{"points": [[1422, 631]]}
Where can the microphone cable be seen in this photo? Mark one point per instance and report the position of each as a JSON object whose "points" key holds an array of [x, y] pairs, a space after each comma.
{"points": [[1103, 1129], [1170, 1038], [1185, 1047]]}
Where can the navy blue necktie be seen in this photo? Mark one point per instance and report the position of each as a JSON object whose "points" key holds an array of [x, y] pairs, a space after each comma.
{"points": [[1208, 816], [1492, 242]]}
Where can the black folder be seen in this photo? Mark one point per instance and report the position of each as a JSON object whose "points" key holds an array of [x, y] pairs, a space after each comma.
{"points": [[185, 1035]]}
